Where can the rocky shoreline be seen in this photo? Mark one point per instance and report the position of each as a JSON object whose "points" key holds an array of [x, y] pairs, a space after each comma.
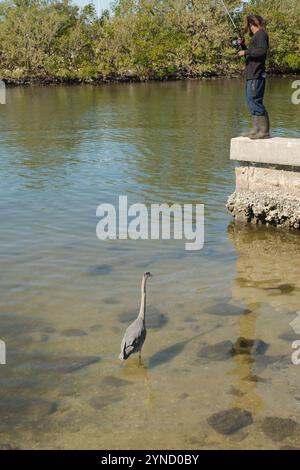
{"points": [[265, 208]]}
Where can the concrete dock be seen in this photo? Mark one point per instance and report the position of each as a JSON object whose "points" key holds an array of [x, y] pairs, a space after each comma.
{"points": [[267, 181]]}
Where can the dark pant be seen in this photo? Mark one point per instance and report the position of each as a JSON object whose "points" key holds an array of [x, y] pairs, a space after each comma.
{"points": [[255, 90]]}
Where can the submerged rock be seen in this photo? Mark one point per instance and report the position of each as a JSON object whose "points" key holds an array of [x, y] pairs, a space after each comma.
{"points": [[278, 429], [12, 409], [255, 379], [111, 300], [99, 270], [190, 319], [216, 352], [289, 336], [97, 327], [99, 402], [113, 381], [249, 346], [183, 396], [230, 421], [154, 317], [74, 332], [235, 392], [277, 362], [227, 309], [48, 329]]}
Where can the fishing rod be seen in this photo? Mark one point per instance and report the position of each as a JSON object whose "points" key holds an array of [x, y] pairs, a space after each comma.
{"points": [[229, 14], [235, 42]]}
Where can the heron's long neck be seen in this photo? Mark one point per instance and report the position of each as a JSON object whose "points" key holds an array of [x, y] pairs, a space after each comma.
{"points": [[143, 300]]}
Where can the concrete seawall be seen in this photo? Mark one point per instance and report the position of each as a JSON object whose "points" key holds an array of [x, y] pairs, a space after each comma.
{"points": [[267, 181]]}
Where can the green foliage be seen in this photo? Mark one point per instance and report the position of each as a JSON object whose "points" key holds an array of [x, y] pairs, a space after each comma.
{"points": [[140, 39]]}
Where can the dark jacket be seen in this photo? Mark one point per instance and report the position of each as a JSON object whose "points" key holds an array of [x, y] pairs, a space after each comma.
{"points": [[256, 55]]}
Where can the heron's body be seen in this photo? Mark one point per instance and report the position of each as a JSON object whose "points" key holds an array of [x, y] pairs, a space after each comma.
{"points": [[133, 339], [135, 334]]}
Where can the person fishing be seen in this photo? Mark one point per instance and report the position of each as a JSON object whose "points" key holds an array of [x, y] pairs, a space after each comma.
{"points": [[256, 55]]}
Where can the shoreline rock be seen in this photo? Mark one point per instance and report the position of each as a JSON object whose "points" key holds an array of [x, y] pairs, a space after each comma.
{"points": [[265, 209]]}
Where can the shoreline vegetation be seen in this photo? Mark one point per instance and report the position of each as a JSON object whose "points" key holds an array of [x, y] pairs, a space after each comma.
{"points": [[47, 81], [45, 42]]}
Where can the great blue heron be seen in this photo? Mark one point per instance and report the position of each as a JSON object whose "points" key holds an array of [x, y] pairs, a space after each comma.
{"points": [[135, 334]]}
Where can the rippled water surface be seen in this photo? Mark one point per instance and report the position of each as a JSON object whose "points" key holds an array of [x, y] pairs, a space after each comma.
{"points": [[67, 297]]}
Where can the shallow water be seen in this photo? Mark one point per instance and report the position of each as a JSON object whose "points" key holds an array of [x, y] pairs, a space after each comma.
{"points": [[65, 294]]}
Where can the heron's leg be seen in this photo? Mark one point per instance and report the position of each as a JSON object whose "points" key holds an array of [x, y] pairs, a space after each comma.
{"points": [[140, 357]]}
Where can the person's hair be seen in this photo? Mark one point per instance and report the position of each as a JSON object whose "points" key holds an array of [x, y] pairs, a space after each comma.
{"points": [[254, 20]]}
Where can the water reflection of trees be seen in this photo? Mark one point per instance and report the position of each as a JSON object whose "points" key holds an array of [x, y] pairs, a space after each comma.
{"points": [[179, 131], [43, 126], [168, 135], [170, 138]]}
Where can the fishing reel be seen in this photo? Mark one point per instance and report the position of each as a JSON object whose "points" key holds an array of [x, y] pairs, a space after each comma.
{"points": [[238, 43]]}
